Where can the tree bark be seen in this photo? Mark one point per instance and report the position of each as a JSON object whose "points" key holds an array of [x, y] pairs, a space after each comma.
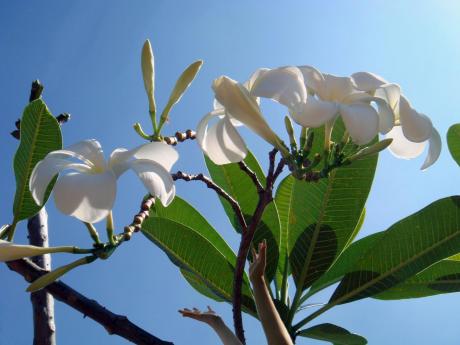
{"points": [[113, 323], [42, 301]]}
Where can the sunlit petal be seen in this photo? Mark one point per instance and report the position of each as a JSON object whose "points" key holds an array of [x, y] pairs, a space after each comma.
{"points": [[417, 127], [361, 122], [90, 149], [314, 113], [403, 148], [336, 89], [45, 170], [156, 179], [284, 85], [434, 150], [313, 78], [159, 152], [223, 144], [88, 197], [242, 106], [366, 81], [390, 93]]}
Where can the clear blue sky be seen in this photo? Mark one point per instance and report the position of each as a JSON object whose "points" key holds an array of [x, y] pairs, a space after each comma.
{"points": [[87, 55]]}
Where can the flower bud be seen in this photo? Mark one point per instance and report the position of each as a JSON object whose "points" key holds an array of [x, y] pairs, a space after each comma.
{"points": [[370, 150], [148, 73]]}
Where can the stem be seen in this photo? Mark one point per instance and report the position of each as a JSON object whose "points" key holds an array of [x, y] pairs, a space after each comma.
{"points": [[284, 282], [210, 184], [93, 232], [252, 175], [312, 316]]}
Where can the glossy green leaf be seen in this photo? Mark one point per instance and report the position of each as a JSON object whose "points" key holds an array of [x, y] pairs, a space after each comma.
{"points": [[453, 142], [402, 251], [344, 262], [202, 257], [333, 334], [182, 84], [199, 286], [321, 218], [40, 134], [442, 277], [233, 180]]}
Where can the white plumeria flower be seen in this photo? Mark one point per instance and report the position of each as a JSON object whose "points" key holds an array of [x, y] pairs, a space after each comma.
{"points": [[413, 130], [88, 191], [315, 99], [233, 106]]}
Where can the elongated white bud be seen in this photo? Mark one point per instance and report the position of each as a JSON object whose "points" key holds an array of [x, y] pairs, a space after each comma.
{"points": [[148, 73]]}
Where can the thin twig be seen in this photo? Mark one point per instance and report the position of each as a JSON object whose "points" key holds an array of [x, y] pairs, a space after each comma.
{"points": [[210, 184], [244, 167], [113, 323]]}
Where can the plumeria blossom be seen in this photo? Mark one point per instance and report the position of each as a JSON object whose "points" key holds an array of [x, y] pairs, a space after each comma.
{"points": [[88, 187], [315, 99], [233, 106], [413, 129]]}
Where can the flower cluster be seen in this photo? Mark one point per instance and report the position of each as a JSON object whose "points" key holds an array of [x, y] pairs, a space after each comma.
{"points": [[367, 104]]}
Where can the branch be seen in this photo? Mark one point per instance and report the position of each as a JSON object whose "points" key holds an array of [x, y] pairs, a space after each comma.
{"points": [[244, 167], [113, 323], [180, 137], [42, 302], [210, 184], [265, 197]]}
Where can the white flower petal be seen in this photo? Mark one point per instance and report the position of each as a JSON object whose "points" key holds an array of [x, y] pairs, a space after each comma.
{"points": [[284, 85], [366, 81], [314, 113], [88, 197], [417, 127], [336, 89], [243, 107], [91, 150], [45, 170], [159, 152], [403, 148], [390, 93], [222, 143], [313, 78], [156, 179], [361, 122], [434, 150]]}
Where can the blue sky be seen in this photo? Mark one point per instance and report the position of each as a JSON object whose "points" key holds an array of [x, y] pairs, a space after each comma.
{"points": [[87, 55]]}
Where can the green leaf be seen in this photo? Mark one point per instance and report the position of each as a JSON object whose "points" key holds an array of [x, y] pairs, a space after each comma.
{"points": [[442, 277], [196, 251], [195, 282], [182, 84], [402, 251], [453, 141], [320, 218], [344, 262], [332, 333], [40, 134], [238, 184]]}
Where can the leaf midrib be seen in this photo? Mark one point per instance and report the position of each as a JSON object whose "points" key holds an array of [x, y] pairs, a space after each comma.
{"points": [[317, 229], [29, 160], [394, 269]]}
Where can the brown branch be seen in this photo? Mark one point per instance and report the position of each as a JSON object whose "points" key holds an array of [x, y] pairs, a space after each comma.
{"points": [[265, 197], [42, 301], [210, 184], [180, 137], [113, 323], [252, 175]]}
